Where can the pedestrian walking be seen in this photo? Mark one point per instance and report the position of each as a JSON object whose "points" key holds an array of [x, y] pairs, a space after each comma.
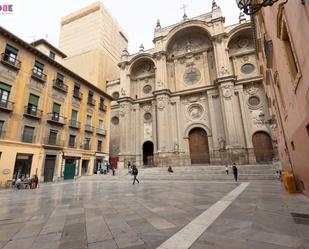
{"points": [[226, 169], [235, 172], [113, 170], [135, 173]]}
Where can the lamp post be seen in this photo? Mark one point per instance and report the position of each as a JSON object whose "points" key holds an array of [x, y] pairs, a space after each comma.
{"points": [[250, 7]]}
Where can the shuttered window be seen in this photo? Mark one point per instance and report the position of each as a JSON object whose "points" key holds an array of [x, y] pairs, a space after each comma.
{"points": [[33, 100], [5, 87], [56, 108], [74, 115]]}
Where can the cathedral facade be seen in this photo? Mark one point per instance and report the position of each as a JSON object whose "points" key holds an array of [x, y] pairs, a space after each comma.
{"points": [[195, 98]]}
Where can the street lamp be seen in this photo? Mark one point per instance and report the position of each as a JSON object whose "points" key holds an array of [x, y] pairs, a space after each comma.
{"points": [[250, 7]]}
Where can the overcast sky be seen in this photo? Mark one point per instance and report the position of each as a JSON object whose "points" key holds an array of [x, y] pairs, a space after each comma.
{"points": [[40, 18]]}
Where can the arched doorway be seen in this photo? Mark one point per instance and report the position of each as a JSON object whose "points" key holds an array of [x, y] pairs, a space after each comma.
{"points": [[199, 149], [148, 153], [263, 147]]}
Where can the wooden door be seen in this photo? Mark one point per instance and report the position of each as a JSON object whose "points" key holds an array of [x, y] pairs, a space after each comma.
{"points": [[49, 168], [69, 171], [263, 148], [199, 149]]}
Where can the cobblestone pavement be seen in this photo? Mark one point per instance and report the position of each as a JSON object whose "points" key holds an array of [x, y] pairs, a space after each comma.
{"points": [[116, 214]]}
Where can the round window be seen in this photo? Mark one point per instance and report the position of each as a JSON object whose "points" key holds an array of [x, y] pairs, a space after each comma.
{"points": [[147, 116], [247, 68], [147, 89], [115, 95], [254, 101], [115, 120]]}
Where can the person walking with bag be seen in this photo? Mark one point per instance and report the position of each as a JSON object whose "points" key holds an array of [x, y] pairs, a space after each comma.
{"points": [[135, 173]]}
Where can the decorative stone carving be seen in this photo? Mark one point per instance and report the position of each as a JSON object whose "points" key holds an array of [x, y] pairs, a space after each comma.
{"points": [[89, 110], [252, 90], [123, 92], [227, 91], [195, 111], [58, 96], [192, 75], [242, 43], [147, 108], [221, 142], [122, 110], [223, 71]]}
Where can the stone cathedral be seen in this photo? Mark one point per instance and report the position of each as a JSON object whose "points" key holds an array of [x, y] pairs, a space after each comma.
{"points": [[195, 98]]}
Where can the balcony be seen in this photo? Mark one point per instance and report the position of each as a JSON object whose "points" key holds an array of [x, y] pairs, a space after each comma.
{"points": [[6, 106], [72, 145], [59, 85], [91, 101], [101, 132], [55, 118], [102, 107], [28, 139], [78, 95], [89, 128], [52, 141], [38, 75], [85, 146], [74, 124], [32, 112], [10, 61]]}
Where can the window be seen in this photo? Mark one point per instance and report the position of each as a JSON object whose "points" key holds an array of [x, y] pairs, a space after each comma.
{"points": [[115, 95], [38, 69], [56, 112], [102, 106], [87, 144], [76, 91], [74, 115], [4, 94], [247, 68], [283, 34], [115, 120], [99, 145], [293, 145], [10, 54], [90, 98], [52, 139], [72, 141], [28, 134], [254, 101], [101, 124], [1, 127], [89, 120], [33, 104], [52, 55], [60, 78], [147, 89]]}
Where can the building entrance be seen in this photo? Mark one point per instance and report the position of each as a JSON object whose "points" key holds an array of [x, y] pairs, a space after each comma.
{"points": [[49, 168], [148, 153], [22, 168], [199, 149], [263, 147]]}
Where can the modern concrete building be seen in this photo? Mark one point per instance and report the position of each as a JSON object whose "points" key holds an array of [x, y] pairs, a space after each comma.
{"points": [[283, 35], [195, 98], [53, 122], [93, 42]]}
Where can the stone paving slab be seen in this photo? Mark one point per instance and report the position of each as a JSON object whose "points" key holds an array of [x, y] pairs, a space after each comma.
{"points": [[115, 214]]}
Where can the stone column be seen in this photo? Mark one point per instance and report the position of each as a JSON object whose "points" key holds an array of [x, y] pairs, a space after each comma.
{"points": [[161, 71]]}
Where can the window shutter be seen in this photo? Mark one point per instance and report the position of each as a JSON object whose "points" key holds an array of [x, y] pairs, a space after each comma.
{"points": [[34, 100], [74, 115], [56, 108], [5, 87]]}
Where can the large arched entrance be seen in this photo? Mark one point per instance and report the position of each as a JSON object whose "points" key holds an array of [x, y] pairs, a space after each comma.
{"points": [[263, 147], [148, 153], [199, 149]]}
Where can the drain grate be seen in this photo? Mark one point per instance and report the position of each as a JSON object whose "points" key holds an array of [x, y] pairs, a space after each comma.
{"points": [[300, 218]]}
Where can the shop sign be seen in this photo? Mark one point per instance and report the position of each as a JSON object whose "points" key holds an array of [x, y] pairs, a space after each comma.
{"points": [[70, 154]]}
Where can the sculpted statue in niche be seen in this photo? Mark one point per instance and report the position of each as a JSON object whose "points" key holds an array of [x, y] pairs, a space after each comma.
{"points": [[227, 91], [221, 142]]}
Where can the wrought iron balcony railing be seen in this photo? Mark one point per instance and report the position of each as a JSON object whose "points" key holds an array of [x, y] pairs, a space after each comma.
{"points": [[10, 61], [6, 105], [91, 101], [88, 128], [56, 118], [38, 75], [101, 131], [58, 84], [77, 94], [32, 112], [74, 124]]}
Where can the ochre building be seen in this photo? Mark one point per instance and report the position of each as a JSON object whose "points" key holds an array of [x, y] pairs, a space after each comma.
{"points": [[195, 98], [283, 36], [53, 122]]}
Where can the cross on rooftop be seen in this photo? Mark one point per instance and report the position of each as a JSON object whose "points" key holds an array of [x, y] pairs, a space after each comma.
{"points": [[184, 8]]}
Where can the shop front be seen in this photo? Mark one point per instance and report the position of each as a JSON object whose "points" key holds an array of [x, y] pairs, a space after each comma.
{"points": [[70, 165], [101, 161]]}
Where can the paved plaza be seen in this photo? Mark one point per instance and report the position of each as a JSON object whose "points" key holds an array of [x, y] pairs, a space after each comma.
{"points": [[111, 214]]}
